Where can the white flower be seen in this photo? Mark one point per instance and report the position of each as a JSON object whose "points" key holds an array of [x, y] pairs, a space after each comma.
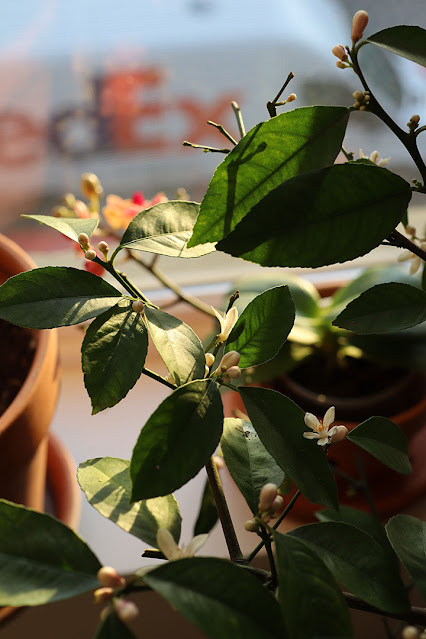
{"points": [[321, 427], [416, 260], [171, 550], [374, 157], [227, 322]]}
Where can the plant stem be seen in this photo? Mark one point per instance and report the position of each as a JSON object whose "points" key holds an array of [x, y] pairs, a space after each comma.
{"points": [[268, 546], [239, 117], [397, 239], [222, 130], [158, 378], [234, 549], [271, 106], [415, 616], [211, 149], [124, 280]]}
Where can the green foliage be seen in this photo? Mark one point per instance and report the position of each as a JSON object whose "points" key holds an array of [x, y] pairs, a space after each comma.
{"points": [[311, 601], [383, 439], [177, 440], [219, 598], [261, 161], [113, 354], [406, 41], [330, 215], [55, 296], [42, 559], [68, 226], [248, 461], [407, 535], [106, 484], [279, 422], [207, 515]]}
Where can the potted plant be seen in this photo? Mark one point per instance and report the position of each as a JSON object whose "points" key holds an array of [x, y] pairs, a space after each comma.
{"points": [[343, 211]]}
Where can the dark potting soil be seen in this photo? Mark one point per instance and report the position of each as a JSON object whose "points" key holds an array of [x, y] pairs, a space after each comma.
{"points": [[17, 348]]}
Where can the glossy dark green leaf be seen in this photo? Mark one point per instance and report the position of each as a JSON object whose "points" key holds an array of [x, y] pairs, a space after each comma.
{"points": [[248, 461], [263, 327], [106, 484], [179, 347], [273, 151], [343, 212], [383, 439], [42, 560], [407, 535], [384, 308], [279, 422], [404, 40], [113, 354], [177, 440], [358, 562], [69, 226], [219, 598], [113, 628], [207, 515], [311, 601], [165, 229], [55, 296]]}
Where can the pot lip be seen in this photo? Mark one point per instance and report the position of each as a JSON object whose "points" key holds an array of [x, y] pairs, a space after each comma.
{"points": [[21, 261]]}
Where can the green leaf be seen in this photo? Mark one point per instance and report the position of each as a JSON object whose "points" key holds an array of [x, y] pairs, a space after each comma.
{"points": [[55, 296], [106, 484], [177, 440], [311, 601], [383, 439], [279, 422], [384, 308], [248, 461], [263, 327], [113, 354], [407, 535], [342, 212], [406, 41], [69, 226], [42, 560], [179, 347], [113, 628], [219, 598], [273, 151], [358, 562], [207, 516], [165, 229]]}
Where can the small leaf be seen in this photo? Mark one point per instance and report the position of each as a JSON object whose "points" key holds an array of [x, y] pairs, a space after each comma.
{"points": [[407, 535], [322, 217], [178, 345], [383, 439], [263, 327], [113, 628], [273, 151], [358, 562], [55, 296], [113, 354], [384, 308], [42, 560], [207, 516], [279, 422], [248, 461], [311, 601], [106, 484], [165, 229], [406, 41], [219, 598], [177, 440], [69, 226]]}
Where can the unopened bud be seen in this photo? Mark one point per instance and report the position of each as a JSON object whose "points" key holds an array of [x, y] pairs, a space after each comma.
{"points": [[410, 632], [102, 594], [109, 576], [358, 95], [69, 200], [292, 97], [359, 22], [137, 306], [90, 255], [251, 526], [125, 610], [277, 504], [84, 241], [339, 435], [415, 119], [229, 359], [219, 461], [90, 185], [341, 65], [267, 495], [411, 230], [234, 372], [103, 247], [363, 107], [206, 370], [340, 52], [209, 359]]}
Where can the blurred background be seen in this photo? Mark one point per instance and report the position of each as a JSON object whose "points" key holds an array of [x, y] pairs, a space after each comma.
{"points": [[114, 88]]}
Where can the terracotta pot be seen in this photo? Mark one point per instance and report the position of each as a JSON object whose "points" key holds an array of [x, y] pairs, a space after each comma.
{"points": [[24, 425]]}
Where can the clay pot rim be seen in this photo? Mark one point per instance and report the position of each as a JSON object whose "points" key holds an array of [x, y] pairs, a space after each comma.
{"points": [[23, 261]]}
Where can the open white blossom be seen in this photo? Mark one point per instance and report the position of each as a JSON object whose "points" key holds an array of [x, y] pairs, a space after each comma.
{"points": [[374, 157], [321, 427], [171, 550], [227, 322], [416, 260]]}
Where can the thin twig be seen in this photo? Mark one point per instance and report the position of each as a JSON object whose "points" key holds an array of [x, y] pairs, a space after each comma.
{"points": [[271, 106], [211, 149], [158, 378], [415, 616], [397, 239], [239, 117], [222, 130]]}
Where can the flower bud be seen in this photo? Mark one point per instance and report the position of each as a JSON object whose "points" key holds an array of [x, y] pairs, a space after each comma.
{"points": [[339, 435], [84, 241], [137, 306], [359, 22], [267, 495], [415, 119], [90, 254], [229, 359], [209, 359], [219, 461], [341, 65], [251, 526], [277, 504], [410, 632], [358, 95], [234, 372], [125, 610], [292, 97], [206, 370], [109, 576], [103, 247], [411, 230], [90, 185], [103, 594], [340, 52]]}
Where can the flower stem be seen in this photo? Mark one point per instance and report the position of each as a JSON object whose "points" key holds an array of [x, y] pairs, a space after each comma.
{"points": [[397, 239], [158, 378]]}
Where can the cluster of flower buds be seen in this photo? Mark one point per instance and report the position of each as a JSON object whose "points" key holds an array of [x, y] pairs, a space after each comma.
{"points": [[228, 367], [413, 123], [111, 580], [89, 251], [90, 186], [362, 98], [340, 52], [359, 22], [270, 505]]}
